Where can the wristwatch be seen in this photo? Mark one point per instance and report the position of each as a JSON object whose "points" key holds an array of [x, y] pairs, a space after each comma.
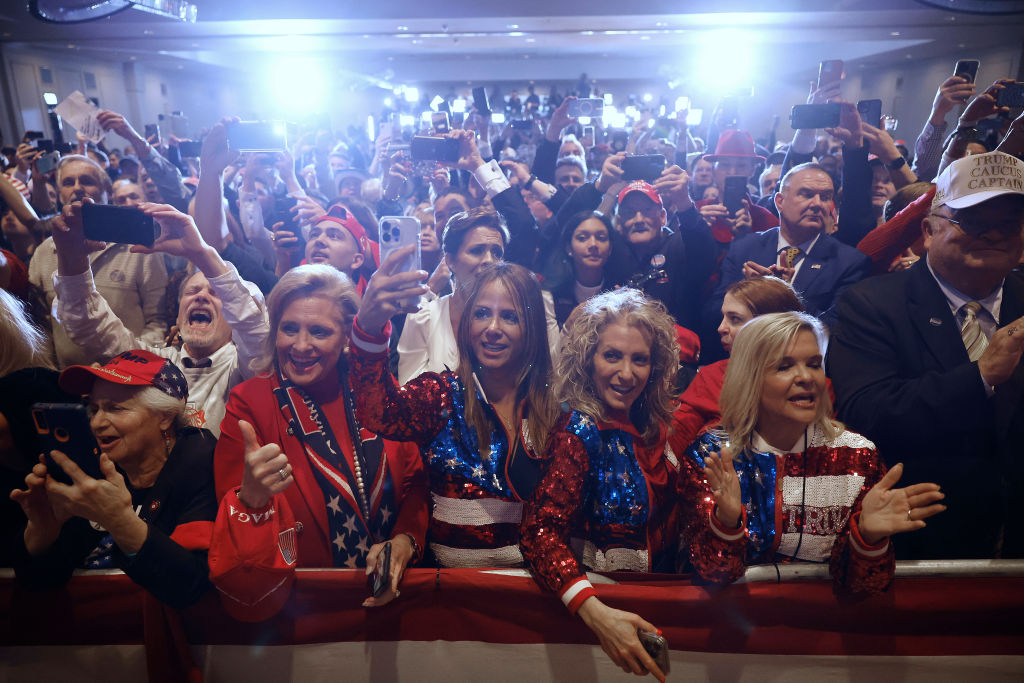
{"points": [[528, 185], [896, 164]]}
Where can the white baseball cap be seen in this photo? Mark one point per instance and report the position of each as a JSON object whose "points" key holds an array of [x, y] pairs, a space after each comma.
{"points": [[978, 178]]}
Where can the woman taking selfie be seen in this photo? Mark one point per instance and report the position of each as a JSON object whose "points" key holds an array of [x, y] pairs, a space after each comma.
{"points": [[480, 429], [798, 485], [293, 454], [151, 512], [609, 493], [744, 301]]}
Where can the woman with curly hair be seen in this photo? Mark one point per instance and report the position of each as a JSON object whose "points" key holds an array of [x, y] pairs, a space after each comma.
{"points": [[607, 499]]}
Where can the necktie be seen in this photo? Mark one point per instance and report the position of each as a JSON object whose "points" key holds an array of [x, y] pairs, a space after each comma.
{"points": [[974, 339], [189, 363], [790, 255]]}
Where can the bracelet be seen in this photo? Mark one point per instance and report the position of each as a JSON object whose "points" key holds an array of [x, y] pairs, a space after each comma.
{"points": [[415, 545], [896, 164], [528, 185]]}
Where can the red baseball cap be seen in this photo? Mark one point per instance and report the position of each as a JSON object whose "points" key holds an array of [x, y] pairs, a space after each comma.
{"points": [[135, 368], [734, 144], [254, 577], [342, 217], [643, 187]]}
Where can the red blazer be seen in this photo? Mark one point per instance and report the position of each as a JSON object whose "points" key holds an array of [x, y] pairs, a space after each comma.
{"points": [[254, 402]]}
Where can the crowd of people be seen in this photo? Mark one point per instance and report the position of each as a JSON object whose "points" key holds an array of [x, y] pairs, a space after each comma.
{"points": [[583, 370]]}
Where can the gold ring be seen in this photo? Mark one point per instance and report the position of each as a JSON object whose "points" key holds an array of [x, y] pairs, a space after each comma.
{"points": [[1010, 332], [909, 518], [283, 474]]}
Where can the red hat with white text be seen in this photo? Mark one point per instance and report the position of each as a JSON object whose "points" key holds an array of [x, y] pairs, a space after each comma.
{"points": [[642, 187]]}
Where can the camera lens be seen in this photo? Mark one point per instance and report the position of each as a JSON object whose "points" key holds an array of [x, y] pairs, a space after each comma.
{"points": [[395, 234]]}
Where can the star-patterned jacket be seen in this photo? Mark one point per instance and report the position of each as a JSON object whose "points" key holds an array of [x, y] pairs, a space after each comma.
{"points": [[254, 402], [800, 505], [607, 502], [477, 502]]}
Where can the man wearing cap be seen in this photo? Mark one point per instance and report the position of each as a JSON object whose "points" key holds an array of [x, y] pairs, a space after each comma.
{"points": [[338, 239], [222, 319], [669, 266], [817, 265], [926, 362], [735, 155]]}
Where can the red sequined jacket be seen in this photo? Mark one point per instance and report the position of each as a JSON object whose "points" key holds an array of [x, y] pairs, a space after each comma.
{"points": [[607, 502], [477, 502], [803, 504]]}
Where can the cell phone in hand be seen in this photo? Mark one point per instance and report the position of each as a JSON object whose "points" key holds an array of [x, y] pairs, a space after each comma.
{"points": [[44, 145], [283, 213], [967, 69], [480, 101], [47, 162], [440, 122], [152, 133], [31, 135], [804, 116], [734, 193], [521, 124], [1011, 96], [646, 167], [190, 149], [432, 148], [657, 647], [870, 112], [121, 224], [587, 106], [830, 72], [380, 578], [258, 136], [65, 427], [397, 232]]}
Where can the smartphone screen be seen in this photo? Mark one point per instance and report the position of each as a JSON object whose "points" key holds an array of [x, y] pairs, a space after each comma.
{"points": [[804, 116], [646, 167], [1011, 96], [830, 72], [397, 232], [480, 101], [121, 224], [735, 192], [190, 148], [65, 427], [429, 148], [870, 112], [258, 136], [967, 69]]}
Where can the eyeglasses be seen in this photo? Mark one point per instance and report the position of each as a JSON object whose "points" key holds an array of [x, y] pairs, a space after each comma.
{"points": [[971, 227]]}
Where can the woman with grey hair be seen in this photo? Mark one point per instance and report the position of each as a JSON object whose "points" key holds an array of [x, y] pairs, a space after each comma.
{"points": [[292, 452], [788, 482], [150, 509]]}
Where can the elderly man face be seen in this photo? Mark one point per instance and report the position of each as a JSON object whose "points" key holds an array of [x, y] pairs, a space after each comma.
{"points": [[78, 179]]}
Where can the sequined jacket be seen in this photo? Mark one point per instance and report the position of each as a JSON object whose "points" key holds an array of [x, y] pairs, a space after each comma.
{"points": [[801, 505], [477, 503], [606, 502]]}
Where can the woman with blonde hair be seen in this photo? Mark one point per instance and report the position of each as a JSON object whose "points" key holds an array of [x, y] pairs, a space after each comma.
{"points": [[607, 501], [292, 452], [789, 482]]}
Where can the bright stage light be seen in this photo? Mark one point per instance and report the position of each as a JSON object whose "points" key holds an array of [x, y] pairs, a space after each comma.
{"points": [[388, 102], [498, 117], [607, 98], [583, 120], [297, 85], [648, 97], [406, 121], [412, 94], [727, 57], [682, 103], [371, 128], [458, 106]]}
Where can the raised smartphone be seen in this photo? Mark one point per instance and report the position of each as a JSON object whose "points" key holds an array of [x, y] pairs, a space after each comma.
{"points": [[65, 427]]}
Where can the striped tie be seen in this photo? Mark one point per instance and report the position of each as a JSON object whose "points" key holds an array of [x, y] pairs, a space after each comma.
{"points": [[974, 339], [790, 255]]}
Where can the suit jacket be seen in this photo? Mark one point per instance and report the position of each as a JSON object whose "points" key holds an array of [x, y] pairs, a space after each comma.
{"points": [[903, 378], [829, 269]]}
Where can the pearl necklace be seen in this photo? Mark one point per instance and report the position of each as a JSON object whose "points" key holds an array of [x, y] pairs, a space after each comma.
{"points": [[354, 434]]}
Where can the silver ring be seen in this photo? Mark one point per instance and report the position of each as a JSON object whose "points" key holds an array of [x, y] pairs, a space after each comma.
{"points": [[1010, 332], [397, 593], [284, 475], [909, 518]]}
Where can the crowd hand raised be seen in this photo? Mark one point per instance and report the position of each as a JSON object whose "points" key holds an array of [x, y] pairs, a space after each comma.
{"points": [[984, 105], [469, 155], [725, 487], [25, 156], [1002, 355], [880, 143], [886, 511], [215, 155], [713, 212], [673, 186], [112, 121], [267, 470], [307, 209], [611, 172], [849, 130], [830, 92], [953, 91], [388, 290], [68, 236], [520, 172], [44, 520], [398, 173], [401, 553], [560, 119], [617, 631], [440, 179], [440, 278], [179, 235], [285, 241]]}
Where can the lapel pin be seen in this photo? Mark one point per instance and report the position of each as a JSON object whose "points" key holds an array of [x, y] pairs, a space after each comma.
{"points": [[816, 266], [935, 321]]}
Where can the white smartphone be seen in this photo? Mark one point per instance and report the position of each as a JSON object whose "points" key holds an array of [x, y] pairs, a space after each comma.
{"points": [[397, 232]]}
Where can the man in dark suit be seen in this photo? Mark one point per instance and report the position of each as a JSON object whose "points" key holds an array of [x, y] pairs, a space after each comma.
{"points": [[818, 266], [926, 362]]}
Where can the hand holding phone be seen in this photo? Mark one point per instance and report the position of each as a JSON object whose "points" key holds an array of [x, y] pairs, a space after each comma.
{"points": [[65, 427], [120, 224], [734, 193], [646, 167], [379, 579], [657, 647]]}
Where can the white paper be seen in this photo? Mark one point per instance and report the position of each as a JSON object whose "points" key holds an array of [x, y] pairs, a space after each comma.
{"points": [[81, 113]]}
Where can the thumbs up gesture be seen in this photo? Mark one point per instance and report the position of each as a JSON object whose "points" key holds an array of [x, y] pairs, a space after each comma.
{"points": [[267, 471]]}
